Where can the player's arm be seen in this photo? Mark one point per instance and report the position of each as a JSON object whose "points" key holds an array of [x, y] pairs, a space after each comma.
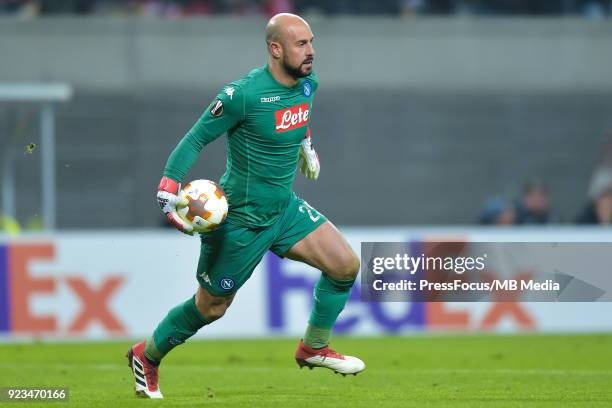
{"points": [[225, 112], [310, 159]]}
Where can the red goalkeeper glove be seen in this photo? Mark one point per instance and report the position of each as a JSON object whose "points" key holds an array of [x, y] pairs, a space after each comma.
{"points": [[169, 201]]}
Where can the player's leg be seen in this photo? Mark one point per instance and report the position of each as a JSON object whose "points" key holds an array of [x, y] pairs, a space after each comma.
{"points": [[327, 250], [308, 237], [228, 256], [181, 322]]}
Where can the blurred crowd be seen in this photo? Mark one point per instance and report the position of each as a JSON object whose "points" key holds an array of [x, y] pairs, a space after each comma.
{"points": [[534, 207], [186, 8]]}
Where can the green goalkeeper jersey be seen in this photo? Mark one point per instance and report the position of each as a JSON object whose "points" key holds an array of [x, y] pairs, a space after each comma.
{"points": [[265, 123]]}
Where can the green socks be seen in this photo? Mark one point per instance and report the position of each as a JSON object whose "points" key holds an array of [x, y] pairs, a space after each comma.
{"points": [[330, 296], [180, 323], [316, 337]]}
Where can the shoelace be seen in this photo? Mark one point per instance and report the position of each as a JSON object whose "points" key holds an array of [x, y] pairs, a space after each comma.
{"points": [[328, 352]]}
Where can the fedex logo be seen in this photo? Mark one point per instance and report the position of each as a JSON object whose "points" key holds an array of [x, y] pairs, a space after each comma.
{"points": [[292, 118], [19, 288], [391, 317]]}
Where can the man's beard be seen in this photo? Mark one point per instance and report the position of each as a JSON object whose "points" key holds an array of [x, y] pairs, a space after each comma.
{"points": [[295, 72]]}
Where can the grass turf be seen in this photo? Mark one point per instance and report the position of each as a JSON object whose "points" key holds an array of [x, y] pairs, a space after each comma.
{"points": [[420, 371]]}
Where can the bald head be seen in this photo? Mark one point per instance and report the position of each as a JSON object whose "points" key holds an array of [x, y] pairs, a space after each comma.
{"points": [[283, 25], [290, 47]]}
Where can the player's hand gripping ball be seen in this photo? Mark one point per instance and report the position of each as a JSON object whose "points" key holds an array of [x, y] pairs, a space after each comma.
{"points": [[206, 205]]}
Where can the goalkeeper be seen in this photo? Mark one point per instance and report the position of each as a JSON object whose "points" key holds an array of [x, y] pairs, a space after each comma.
{"points": [[266, 116]]}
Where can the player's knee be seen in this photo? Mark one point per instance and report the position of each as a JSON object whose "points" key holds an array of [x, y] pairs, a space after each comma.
{"points": [[211, 308], [348, 266], [214, 311]]}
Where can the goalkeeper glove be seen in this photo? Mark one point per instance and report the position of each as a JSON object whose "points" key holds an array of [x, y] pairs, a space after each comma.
{"points": [[169, 201], [310, 159]]}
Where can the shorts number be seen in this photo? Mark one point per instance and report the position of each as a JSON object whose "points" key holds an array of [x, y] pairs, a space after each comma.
{"points": [[307, 207]]}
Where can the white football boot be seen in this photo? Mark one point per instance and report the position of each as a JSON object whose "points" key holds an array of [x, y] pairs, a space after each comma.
{"points": [[326, 357], [145, 373]]}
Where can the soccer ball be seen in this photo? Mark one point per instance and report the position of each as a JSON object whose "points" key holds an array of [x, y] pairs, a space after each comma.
{"points": [[207, 205]]}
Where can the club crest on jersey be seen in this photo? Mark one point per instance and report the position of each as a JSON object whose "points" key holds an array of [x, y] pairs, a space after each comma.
{"points": [[292, 118], [226, 283], [217, 108], [307, 88]]}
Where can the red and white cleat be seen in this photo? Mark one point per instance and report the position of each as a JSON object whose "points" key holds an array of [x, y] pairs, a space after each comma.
{"points": [[328, 358], [145, 373]]}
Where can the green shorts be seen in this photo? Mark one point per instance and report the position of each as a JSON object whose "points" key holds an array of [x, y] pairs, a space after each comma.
{"points": [[230, 253]]}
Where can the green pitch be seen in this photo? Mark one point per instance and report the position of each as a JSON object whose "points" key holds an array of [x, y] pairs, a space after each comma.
{"points": [[420, 371]]}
